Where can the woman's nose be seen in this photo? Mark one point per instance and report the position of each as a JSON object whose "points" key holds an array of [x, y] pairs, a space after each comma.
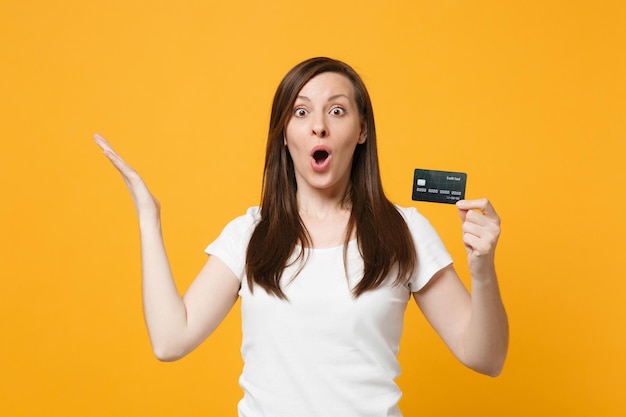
{"points": [[319, 127]]}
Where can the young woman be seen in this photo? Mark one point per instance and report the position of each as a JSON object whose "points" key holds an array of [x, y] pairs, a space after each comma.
{"points": [[325, 266]]}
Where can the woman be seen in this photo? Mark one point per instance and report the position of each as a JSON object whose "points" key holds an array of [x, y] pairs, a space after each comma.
{"points": [[325, 267]]}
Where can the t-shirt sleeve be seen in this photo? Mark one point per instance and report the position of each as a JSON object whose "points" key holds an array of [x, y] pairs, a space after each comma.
{"points": [[432, 255], [231, 245]]}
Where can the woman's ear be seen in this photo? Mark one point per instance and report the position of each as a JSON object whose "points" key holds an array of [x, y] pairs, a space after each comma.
{"points": [[363, 134]]}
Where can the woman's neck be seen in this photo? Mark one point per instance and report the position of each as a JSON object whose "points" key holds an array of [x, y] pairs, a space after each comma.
{"points": [[325, 218], [321, 205]]}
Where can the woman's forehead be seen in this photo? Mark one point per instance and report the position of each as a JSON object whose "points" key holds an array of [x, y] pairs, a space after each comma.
{"points": [[327, 85]]}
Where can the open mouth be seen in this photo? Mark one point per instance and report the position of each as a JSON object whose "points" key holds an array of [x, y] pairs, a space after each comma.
{"points": [[320, 156]]}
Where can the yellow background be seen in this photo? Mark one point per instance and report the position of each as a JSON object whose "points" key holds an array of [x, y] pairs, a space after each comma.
{"points": [[527, 97]]}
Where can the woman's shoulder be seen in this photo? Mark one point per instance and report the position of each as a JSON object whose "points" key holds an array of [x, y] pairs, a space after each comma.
{"points": [[408, 213], [414, 218], [251, 216], [245, 222]]}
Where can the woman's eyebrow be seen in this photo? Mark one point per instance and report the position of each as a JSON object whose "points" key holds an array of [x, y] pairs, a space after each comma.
{"points": [[331, 98], [336, 96]]}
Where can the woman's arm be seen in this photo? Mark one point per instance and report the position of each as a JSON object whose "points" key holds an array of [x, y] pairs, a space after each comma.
{"points": [[175, 325], [474, 327]]}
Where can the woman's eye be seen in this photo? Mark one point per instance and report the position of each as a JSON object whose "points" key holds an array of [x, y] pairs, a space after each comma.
{"points": [[300, 112], [337, 111]]}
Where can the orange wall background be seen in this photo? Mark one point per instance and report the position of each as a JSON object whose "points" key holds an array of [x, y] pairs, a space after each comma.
{"points": [[527, 97]]}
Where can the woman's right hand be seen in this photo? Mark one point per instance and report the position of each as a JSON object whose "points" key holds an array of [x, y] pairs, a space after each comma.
{"points": [[146, 204], [176, 325]]}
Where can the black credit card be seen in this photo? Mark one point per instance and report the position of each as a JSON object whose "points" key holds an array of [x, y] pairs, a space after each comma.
{"points": [[439, 186]]}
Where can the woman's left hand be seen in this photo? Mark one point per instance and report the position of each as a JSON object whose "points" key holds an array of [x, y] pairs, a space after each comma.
{"points": [[481, 230]]}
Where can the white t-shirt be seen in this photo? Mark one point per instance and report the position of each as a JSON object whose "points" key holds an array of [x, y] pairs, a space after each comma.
{"points": [[322, 352]]}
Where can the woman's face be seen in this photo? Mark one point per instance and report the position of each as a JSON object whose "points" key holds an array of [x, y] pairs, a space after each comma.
{"points": [[322, 133]]}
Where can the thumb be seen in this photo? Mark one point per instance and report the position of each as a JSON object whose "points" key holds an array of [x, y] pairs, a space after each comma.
{"points": [[462, 211]]}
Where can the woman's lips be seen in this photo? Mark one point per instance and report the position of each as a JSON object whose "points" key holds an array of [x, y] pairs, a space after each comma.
{"points": [[320, 158]]}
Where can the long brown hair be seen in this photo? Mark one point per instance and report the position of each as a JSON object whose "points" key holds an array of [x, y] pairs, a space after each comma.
{"points": [[383, 237]]}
